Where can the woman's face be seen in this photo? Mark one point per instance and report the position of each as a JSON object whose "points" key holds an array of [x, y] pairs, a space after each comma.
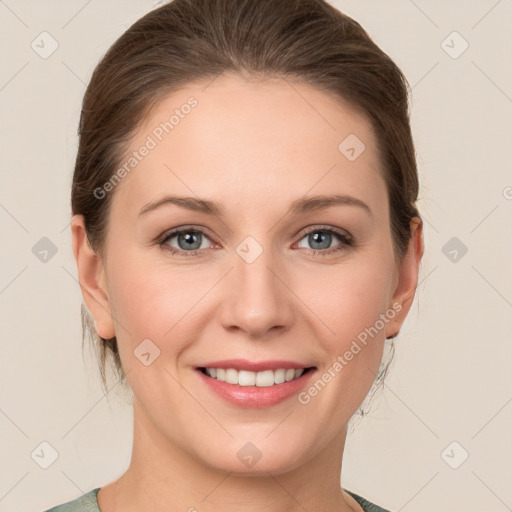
{"points": [[272, 277]]}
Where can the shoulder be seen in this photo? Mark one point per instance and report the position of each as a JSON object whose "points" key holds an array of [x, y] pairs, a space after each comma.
{"points": [[85, 503], [367, 505]]}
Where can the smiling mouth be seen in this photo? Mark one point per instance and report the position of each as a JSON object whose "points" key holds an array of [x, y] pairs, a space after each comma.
{"points": [[266, 378]]}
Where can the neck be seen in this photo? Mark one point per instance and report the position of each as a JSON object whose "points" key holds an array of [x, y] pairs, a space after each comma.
{"points": [[163, 476]]}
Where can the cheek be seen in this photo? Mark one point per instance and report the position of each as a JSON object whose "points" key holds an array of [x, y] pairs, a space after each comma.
{"points": [[348, 298], [354, 298], [151, 301], [349, 302]]}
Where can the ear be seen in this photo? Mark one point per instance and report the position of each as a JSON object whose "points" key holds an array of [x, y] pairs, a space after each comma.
{"points": [[407, 280], [91, 277]]}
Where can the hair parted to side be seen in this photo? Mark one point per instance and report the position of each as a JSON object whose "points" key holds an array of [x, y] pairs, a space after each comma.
{"points": [[189, 40]]}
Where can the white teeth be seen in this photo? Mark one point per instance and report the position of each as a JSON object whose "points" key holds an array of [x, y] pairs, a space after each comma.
{"points": [[231, 376], [279, 376], [246, 378], [289, 375], [261, 379], [265, 378]]}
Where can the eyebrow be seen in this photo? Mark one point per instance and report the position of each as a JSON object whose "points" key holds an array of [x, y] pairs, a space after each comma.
{"points": [[302, 205]]}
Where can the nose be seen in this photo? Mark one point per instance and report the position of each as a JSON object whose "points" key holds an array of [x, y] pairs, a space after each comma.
{"points": [[256, 298]]}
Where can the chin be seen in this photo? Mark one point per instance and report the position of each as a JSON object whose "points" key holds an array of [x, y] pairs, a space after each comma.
{"points": [[253, 459]]}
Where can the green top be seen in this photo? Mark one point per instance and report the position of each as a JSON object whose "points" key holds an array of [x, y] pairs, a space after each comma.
{"points": [[89, 503]]}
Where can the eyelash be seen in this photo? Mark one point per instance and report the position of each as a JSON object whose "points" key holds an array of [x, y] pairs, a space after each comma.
{"points": [[346, 241]]}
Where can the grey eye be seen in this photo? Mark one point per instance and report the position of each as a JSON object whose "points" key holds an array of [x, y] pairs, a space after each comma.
{"points": [[319, 239], [189, 240]]}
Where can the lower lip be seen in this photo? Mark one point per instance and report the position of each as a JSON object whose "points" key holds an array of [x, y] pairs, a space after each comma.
{"points": [[253, 397]]}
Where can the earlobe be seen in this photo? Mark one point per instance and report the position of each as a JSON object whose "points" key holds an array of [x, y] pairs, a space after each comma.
{"points": [[91, 277], [407, 278]]}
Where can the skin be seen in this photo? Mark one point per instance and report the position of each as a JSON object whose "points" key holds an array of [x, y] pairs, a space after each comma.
{"points": [[254, 146]]}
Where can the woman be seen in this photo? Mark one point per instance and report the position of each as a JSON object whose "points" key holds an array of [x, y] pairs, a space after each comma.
{"points": [[246, 238]]}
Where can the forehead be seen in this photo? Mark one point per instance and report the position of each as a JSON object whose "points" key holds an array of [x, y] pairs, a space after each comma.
{"points": [[247, 141]]}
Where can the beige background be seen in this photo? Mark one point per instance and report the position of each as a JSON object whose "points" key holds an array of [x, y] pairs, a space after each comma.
{"points": [[451, 379]]}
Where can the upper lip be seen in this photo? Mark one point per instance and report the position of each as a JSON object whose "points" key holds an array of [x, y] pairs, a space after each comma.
{"points": [[254, 366]]}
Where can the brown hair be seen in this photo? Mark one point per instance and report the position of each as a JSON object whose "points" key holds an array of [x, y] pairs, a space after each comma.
{"points": [[190, 40]]}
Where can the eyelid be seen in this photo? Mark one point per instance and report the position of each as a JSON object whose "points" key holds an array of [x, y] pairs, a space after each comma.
{"points": [[324, 227], [186, 227]]}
